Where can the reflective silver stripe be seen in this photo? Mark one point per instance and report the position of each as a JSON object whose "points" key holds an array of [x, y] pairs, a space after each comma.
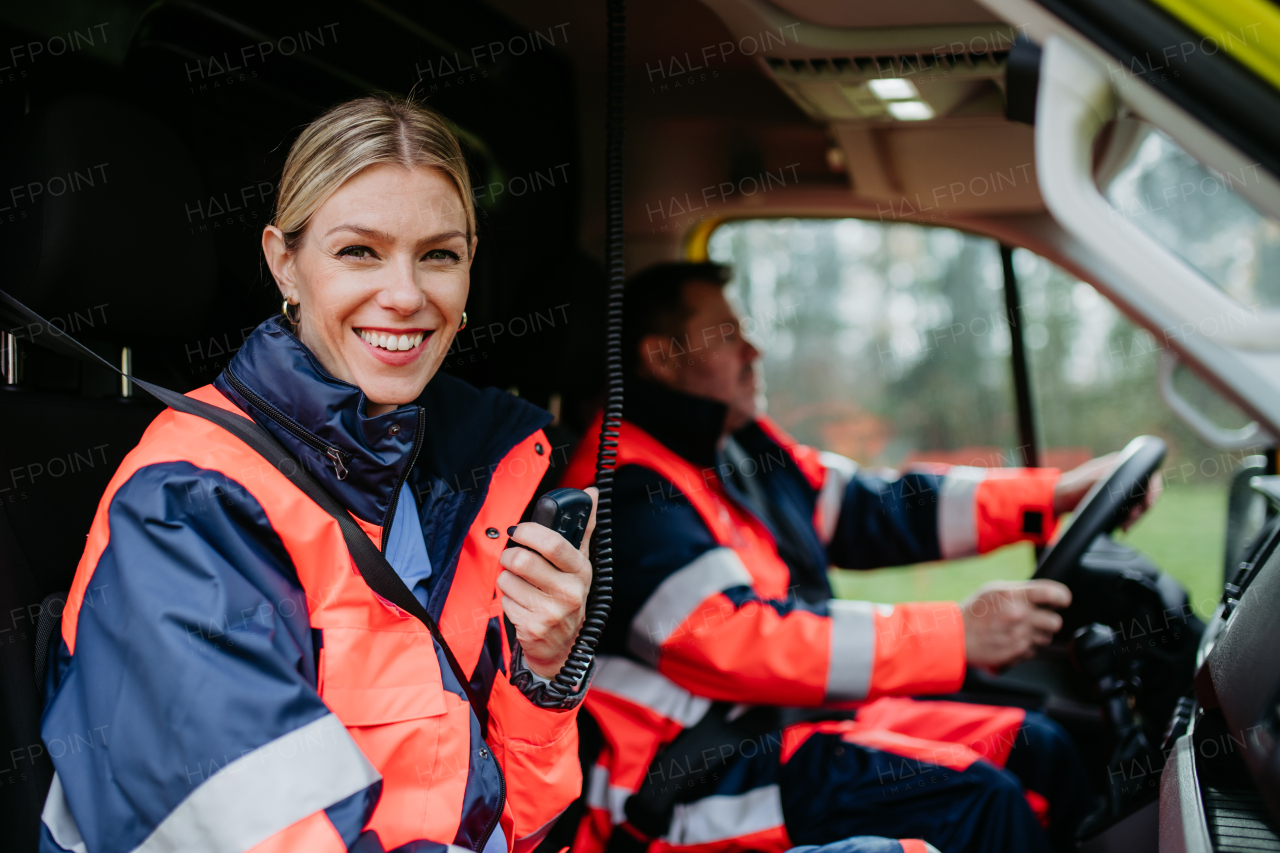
{"points": [[680, 594], [840, 471], [853, 649], [723, 817], [957, 514], [639, 684], [929, 848], [265, 791], [602, 795], [61, 823]]}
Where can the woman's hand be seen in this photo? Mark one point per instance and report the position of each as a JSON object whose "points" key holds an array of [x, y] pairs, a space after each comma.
{"points": [[544, 591]]}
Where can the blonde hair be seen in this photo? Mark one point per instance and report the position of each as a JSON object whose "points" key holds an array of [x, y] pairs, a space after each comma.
{"points": [[355, 135]]}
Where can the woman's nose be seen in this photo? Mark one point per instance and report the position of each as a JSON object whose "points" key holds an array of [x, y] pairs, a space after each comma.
{"points": [[401, 293]]}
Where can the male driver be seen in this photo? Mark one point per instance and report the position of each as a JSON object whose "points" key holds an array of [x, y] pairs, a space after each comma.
{"points": [[724, 529]]}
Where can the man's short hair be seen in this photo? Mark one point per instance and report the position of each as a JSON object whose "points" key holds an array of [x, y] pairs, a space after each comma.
{"points": [[654, 303]]}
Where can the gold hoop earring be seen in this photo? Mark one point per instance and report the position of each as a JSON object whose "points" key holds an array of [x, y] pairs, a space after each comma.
{"points": [[284, 309], [464, 321]]}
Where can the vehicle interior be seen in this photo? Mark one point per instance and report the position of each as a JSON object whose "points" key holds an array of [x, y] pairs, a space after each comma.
{"points": [[981, 232]]}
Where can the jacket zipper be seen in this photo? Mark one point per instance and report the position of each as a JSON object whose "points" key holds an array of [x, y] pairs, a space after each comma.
{"points": [[502, 800], [395, 493], [338, 456], [386, 532]]}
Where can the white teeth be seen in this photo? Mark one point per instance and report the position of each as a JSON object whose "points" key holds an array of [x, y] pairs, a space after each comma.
{"points": [[392, 343]]}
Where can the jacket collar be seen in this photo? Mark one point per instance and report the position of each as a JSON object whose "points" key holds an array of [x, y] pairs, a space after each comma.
{"points": [[452, 428], [690, 426]]}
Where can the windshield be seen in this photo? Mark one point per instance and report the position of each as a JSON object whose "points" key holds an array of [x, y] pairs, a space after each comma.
{"points": [[889, 343], [882, 342], [1199, 214]]}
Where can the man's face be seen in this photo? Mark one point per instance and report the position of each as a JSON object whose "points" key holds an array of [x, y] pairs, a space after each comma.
{"points": [[710, 358]]}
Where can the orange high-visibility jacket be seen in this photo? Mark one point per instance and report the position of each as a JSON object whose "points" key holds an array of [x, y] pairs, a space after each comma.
{"points": [[707, 609], [242, 687]]}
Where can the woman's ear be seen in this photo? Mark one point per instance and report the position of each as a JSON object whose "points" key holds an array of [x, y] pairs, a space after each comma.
{"points": [[279, 261], [471, 255]]}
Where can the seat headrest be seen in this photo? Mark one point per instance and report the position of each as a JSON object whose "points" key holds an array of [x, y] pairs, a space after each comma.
{"points": [[93, 225]]}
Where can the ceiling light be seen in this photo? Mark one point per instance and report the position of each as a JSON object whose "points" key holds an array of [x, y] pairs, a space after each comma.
{"points": [[893, 89], [910, 110]]}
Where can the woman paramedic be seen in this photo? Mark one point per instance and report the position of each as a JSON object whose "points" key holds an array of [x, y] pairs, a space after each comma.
{"points": [[245, 689]]}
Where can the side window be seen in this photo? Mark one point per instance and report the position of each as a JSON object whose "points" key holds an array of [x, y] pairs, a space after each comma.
{"points": [[1200, 214], [886, 343], [1094, 384]]}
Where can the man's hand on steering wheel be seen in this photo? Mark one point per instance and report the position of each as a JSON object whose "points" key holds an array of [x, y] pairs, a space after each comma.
{"points": [[1074, 484], [1005, 622]]}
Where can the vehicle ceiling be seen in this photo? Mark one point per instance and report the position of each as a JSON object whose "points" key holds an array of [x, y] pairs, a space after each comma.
{"points": [[802, 108], [735, 108], [732, 121]]}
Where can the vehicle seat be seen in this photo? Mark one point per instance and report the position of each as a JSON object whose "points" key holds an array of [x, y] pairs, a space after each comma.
{"points": [[97, 242]]}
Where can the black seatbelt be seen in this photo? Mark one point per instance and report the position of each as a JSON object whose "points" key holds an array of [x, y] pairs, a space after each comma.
{"points": [[373, 566], [790, 542]]}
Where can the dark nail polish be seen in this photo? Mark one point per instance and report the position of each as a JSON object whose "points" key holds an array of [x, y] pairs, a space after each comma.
{"points": [[511, 531]]}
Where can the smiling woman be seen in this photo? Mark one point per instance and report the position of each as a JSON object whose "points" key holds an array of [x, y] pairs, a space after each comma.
{"points": [[347, 713], [374, 236]]}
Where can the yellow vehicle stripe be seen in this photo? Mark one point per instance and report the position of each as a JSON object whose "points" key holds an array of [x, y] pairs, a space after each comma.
{"points": [[695, 241], [1248, 30]]}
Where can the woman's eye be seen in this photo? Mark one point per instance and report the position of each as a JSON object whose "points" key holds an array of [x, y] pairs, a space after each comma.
{"points": [[441, 255], [355, 252]]}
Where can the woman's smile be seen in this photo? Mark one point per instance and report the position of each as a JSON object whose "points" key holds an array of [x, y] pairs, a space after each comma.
{"points": [[395, 347]]}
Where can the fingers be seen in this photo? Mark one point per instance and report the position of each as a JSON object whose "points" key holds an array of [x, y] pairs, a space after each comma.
{"points": [[1045, 621], [591, 522], [518, 613], [518, 590], [1102, 465], [1038, 625], [1006, 623], [534, 569], [1047, 593], [544, 590], [1150, 494], [536, 614], [1074, 484], [1154, 487], [551, 545]]}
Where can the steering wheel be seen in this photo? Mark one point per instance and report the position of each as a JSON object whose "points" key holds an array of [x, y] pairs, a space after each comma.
{"points": [[1105, 506]]}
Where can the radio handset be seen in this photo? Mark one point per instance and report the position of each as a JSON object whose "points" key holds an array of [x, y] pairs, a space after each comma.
{"points": [[566, 511]]}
